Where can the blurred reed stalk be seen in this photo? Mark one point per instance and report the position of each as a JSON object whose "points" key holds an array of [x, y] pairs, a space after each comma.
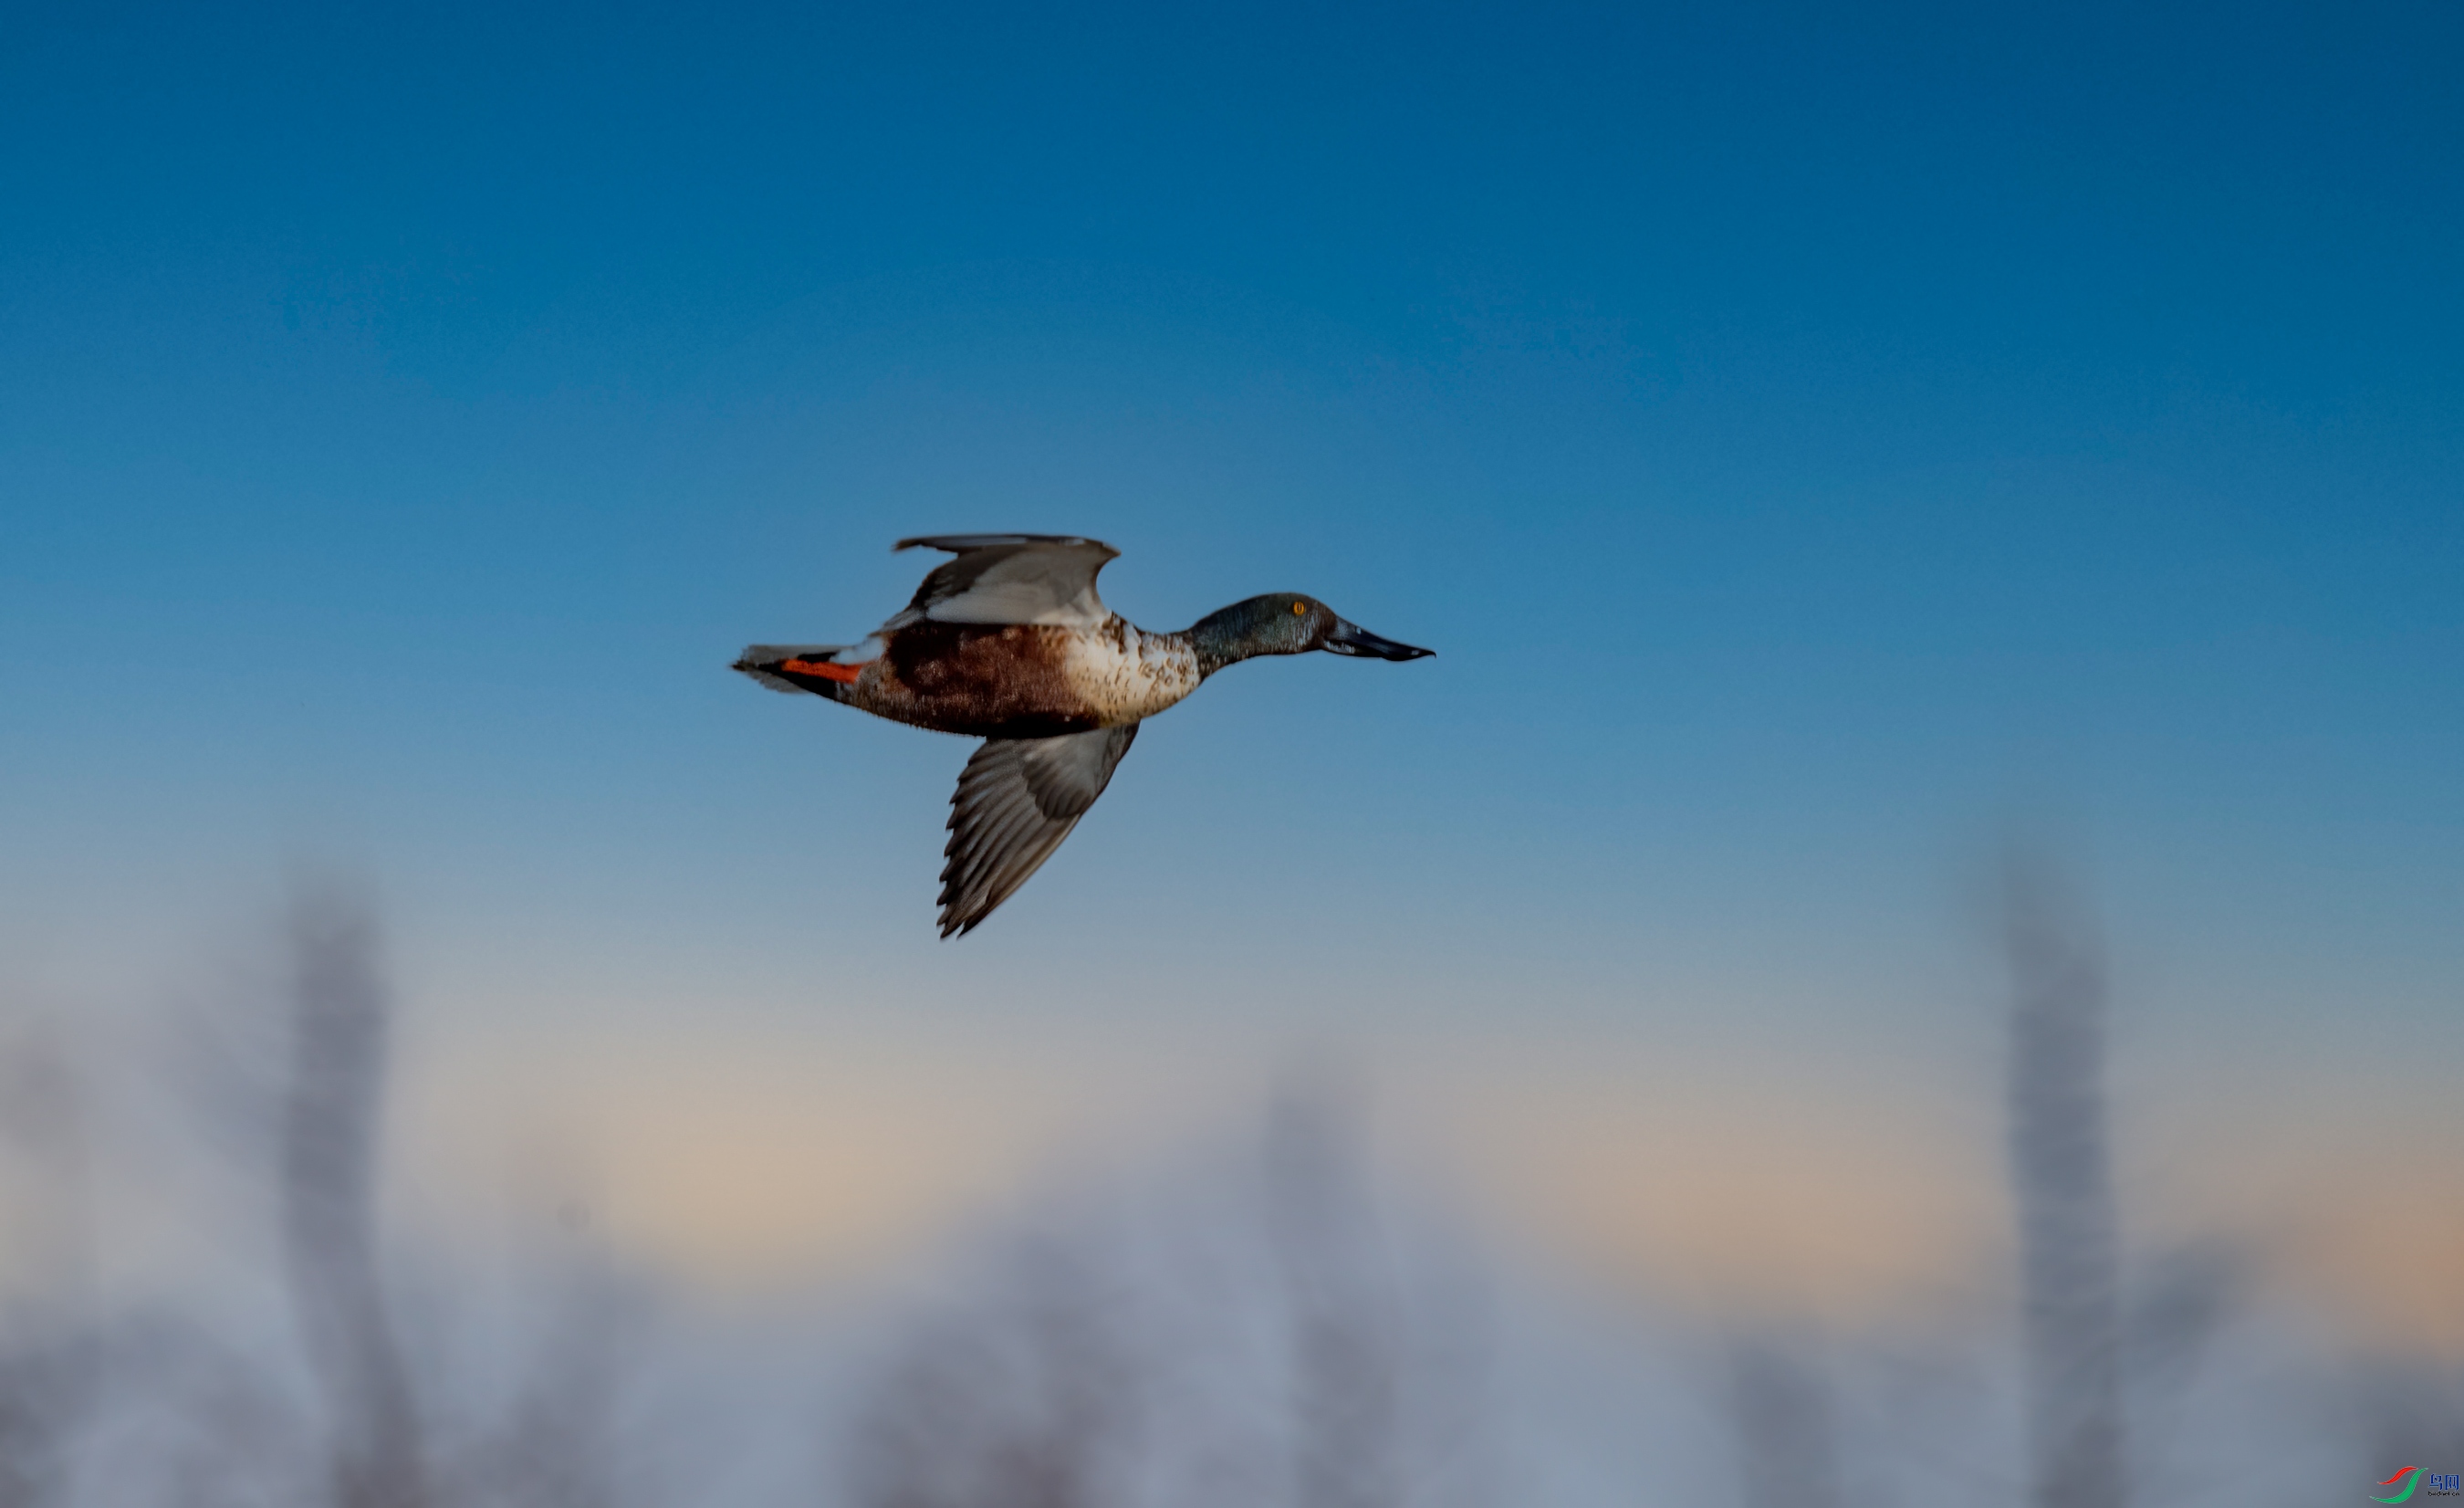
{"points": [[2061, 1179], [331, 1120], [1321, 1222], [50, 1364], [1786, 1447]]}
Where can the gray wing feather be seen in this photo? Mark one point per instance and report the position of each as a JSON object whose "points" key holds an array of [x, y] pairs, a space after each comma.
{"points": [[1016, 799], [960, 544], [1011, 578]]}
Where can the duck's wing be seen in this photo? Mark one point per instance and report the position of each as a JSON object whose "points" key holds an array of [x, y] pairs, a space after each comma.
{"points": [[1016, 799], [1011, 578]]}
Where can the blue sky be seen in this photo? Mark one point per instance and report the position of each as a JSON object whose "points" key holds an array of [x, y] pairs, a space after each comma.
{"points": [[1808, 437]]}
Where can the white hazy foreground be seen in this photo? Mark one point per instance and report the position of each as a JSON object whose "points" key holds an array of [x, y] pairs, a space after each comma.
{"points": [[210, 1304]]}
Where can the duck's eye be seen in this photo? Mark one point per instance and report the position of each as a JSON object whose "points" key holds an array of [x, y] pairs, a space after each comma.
{"points": [[1299, 608]]}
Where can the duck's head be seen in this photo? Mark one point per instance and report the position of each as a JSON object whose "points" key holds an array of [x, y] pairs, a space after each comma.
{"points": [[1287, 623]]}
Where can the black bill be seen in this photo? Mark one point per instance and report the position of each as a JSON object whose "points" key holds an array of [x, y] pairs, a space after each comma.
{"points": [[1350, 638]]}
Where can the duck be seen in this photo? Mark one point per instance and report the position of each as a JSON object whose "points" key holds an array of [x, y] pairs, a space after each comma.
{"points": [[1006, 641]]}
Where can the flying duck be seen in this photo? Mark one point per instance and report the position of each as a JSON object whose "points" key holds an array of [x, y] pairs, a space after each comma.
{"points": [[1007, 642]]}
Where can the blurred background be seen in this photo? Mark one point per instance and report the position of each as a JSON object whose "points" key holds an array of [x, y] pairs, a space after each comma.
{"points": [[1905, 949]]}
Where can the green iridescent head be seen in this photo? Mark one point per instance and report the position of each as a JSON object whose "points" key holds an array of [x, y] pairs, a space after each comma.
{"points": [[1286, 623]]}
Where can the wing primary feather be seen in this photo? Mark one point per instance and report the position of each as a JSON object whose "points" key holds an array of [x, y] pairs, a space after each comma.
{"points": [[972, 855], [979, 865], [1006, 881], [1015, 802], [960, 544]]}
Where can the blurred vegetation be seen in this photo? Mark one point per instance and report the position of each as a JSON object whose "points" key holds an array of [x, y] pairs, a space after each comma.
{"points": [[1271, 1321]]}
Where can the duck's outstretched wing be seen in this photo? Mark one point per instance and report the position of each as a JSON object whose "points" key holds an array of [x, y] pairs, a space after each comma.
{"points": [[1010, 578], [1016, 799]]}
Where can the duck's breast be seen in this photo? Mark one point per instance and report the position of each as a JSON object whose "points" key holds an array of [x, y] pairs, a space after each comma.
{"points": [[1123, 673]]}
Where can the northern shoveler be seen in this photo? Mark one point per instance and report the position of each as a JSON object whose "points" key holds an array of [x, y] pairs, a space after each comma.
{"points": [[1007, 642]]}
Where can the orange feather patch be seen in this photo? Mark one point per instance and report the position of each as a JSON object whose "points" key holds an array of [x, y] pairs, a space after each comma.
{"points": [[845, 674]]}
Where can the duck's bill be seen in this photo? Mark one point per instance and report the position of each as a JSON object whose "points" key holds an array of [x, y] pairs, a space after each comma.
{"points": [[1350, 638]]}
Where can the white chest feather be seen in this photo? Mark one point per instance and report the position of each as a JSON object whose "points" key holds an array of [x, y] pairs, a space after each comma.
{"points": [[1125, 673]]}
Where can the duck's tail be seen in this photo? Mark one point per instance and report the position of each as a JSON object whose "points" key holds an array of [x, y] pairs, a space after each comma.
{"points": [[798, 667]]}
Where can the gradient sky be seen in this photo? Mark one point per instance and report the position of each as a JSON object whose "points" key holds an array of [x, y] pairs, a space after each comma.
{"points": [[1809, 438]]}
